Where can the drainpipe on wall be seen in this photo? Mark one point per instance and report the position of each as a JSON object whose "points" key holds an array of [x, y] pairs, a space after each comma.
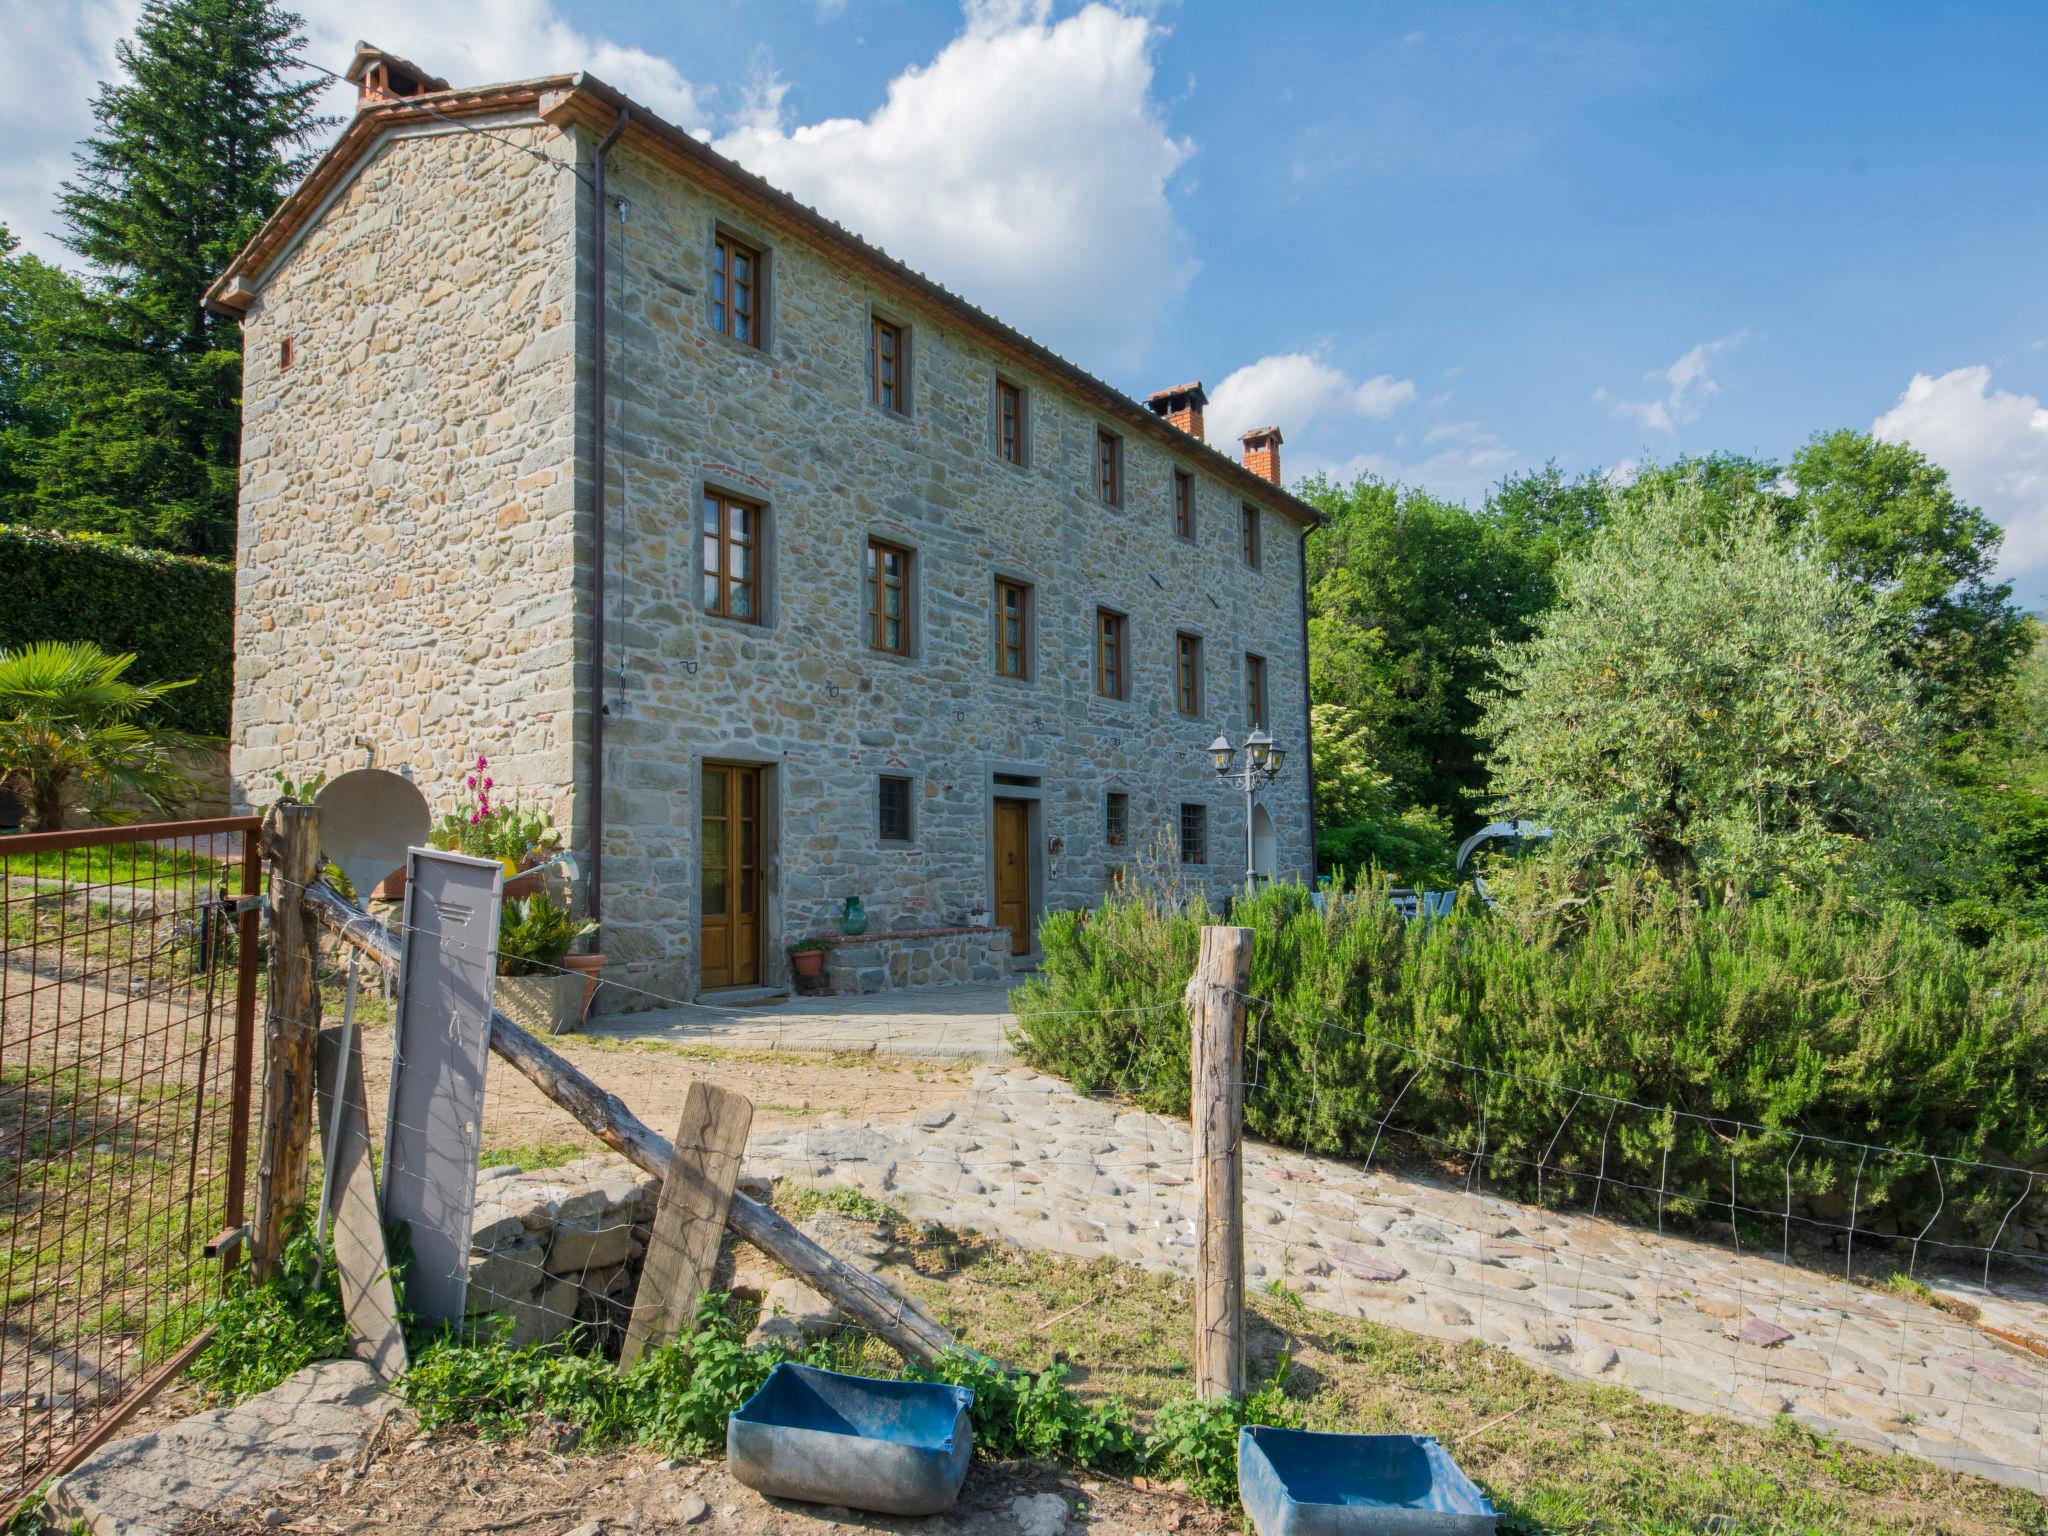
{"points": [[1308, 749], [595, 888]]}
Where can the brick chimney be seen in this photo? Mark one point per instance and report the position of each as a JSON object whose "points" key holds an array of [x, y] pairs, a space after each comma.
{"points": [[380, 77], [1182, 407], [1262, 453]]}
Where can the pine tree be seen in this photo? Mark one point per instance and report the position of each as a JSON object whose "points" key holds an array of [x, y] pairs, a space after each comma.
{"points": [[197, 141]]}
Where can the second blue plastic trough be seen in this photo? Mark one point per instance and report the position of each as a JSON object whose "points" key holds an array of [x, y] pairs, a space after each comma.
{"points": [[893, 1447], [1295, 1483]]}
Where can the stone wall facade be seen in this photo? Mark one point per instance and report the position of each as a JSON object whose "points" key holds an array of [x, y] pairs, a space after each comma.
{"points": [[406, 589], [417, 504], [559, 1246]]}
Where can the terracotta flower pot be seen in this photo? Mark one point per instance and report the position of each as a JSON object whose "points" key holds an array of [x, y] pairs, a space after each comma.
{"points": [[391, 887], [807, 962], [525, 883], [589, 967]]}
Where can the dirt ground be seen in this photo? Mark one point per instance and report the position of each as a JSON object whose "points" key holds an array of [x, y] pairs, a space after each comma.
{"points": [[455, 1484]]}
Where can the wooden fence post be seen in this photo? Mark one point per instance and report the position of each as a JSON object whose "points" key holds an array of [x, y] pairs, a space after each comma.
{"points": [[290, 1033], [1215, 1004]]}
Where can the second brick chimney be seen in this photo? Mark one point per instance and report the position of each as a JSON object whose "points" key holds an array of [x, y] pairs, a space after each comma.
{"points": [[1181, 406], [1262, 453]]}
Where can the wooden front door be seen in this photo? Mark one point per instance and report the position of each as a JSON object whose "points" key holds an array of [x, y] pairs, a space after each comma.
{"points": [[1013, 872], [731, 849]]}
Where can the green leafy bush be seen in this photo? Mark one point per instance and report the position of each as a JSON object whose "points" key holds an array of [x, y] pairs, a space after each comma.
{"points": [[176, 614], [1798, 1012], [1018, 1416], [1195, 1439], [536, 934], [263, 1333]]}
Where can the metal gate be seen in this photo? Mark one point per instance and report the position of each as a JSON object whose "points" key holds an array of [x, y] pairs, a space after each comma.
{"points": [[127, 1036]]}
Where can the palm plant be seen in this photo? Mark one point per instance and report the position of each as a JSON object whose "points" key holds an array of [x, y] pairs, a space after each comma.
{"points": [[72, 733]]}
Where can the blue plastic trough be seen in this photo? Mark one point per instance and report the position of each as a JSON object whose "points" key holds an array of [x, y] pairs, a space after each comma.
{"points": [[894, 1447], [1294, 1483]]}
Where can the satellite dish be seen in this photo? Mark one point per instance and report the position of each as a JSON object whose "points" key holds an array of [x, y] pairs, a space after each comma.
{"points": [[368, 818]]}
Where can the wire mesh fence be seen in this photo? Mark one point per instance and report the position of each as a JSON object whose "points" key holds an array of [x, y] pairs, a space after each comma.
{"points": [[127, 1006]]}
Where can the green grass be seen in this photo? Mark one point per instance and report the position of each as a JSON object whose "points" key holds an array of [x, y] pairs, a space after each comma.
{"points": [[150, 864], [543, 1154]]}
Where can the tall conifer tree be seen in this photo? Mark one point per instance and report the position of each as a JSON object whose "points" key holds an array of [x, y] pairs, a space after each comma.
{"points": [[197, 140]]}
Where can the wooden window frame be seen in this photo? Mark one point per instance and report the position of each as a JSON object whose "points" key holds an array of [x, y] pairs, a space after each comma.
{"points": [[1248, 534], [755, 542], [1254, 690], [874, 584], [1183, 504], [1012, 439], [1112, 654], [1109, 467], [882, 832], [744, 326], [1008, 653], [879, 327], [1197, 812], [1187, 674]]}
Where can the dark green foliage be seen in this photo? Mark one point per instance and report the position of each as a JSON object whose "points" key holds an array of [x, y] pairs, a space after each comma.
{"points": [[129, 411], [175, 615], [1195, 1439], [1021, 1417], [1794, 1012], [263, 1333]]}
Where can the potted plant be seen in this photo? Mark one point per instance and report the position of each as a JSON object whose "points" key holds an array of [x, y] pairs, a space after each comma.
{"points": [[807, 957], [589, 965], [534, 988], [518, 838]]}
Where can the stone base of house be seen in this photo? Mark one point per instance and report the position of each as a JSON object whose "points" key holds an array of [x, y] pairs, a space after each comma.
{"points": [[918, 957]]}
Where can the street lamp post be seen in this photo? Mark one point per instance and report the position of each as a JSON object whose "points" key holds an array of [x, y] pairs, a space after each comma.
{"points": [[1261, 766]]}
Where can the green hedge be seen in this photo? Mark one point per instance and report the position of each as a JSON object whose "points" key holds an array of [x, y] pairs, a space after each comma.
{"points": [[1795, 1014], [176, 613]]}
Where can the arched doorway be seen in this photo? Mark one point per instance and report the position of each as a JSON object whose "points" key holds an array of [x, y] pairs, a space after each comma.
{"points": [[1264, 850]]}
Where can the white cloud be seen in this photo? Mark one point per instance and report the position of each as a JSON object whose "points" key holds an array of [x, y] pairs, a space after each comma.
{"points": [[1468, 461], [1294, 391], [1994, 445], [56, 53], [1688, 383], [1072, 237]]}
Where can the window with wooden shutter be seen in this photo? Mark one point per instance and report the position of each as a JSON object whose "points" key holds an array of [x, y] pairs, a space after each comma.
{"points": [[1013, 629], [1250, 517], [1109, 468], [1254, 690], [1009, 422], [736, 290], [732, 557], [889, 366], [1183, 504], [1187, 674], [888, 597], [1109, 653]]}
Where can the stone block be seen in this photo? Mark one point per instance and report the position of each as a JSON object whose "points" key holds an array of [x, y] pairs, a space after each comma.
{"points": [[590, 1243]]}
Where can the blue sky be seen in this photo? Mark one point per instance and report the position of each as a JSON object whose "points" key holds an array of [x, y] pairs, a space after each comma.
{"points": [[1438, 242]]}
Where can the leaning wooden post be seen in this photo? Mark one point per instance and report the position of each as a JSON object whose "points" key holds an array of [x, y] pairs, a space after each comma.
{"points": [[290, 1034], [1215, 1004]]}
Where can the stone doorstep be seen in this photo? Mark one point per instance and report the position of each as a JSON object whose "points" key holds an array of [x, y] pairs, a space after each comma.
{"points": [[157, 1482]]}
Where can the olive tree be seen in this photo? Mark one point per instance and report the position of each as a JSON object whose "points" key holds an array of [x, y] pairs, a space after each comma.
{"points": [[1710, 704]]}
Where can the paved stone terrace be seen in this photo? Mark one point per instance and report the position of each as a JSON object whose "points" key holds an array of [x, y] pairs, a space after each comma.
{"points": [[1682, 1322], [956, 1023]]}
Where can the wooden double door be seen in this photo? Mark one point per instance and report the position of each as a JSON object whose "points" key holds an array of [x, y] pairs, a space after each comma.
{"points": [[729, 844]]}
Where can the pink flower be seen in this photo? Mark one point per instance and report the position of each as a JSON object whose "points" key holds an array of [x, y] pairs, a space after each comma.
{"points": [[472, 781], [475, 817], [482, 761], [487, 783]]}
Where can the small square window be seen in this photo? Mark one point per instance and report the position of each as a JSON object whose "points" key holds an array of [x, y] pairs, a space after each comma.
{"points": [[1013, 629], [888, 580], [1110, 678], [1009, 422], [1194, 834], [1250, 516], [1116, 819], [1109, 467], [889, 366], [1187, 674], [736, 290], [893, 803]]}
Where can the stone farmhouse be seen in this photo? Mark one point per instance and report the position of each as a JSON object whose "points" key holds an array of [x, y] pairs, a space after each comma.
{"points": [[858, 592]]}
